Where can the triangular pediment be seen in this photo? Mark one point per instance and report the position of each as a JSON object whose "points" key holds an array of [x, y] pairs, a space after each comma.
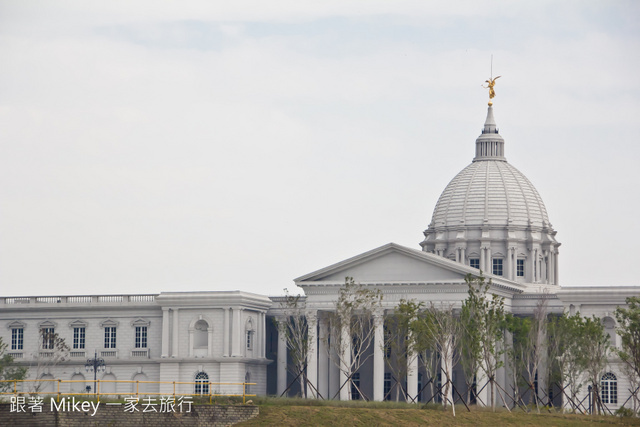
{"points": [[391, 263]]}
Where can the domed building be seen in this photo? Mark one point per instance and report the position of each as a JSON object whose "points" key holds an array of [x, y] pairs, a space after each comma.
{"points": [[492, 218], [489, 219]]}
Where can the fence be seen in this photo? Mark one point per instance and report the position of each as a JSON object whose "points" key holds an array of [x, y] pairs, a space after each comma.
{"points": [[136, 388]]}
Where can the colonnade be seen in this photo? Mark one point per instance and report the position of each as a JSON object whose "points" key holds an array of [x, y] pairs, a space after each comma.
{"points": [[327, 379]]}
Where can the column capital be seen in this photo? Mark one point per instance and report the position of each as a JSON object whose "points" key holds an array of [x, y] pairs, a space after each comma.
{"points": [[378, 314]]}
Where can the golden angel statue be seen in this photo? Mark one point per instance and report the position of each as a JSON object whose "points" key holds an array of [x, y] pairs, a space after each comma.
{"points": [[490, 84]]}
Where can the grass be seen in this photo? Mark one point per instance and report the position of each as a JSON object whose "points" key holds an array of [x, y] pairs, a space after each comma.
{"points": [[300, 412]]}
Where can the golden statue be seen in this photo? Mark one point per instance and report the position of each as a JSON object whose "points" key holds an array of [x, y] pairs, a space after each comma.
{"points": [[490, 84]]}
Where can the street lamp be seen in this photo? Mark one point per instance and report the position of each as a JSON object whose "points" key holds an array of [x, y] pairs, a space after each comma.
{"points": [[94, 365]]}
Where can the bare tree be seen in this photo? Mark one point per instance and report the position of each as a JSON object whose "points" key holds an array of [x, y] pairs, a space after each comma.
{"points": [[294, 328], [352, 329], [439, 330], [396, 347], [529, 348], [53, 350], [565, 352], [483, 318], [594, 351]]}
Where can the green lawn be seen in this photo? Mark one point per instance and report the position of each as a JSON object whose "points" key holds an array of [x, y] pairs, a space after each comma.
{"points": [[297, 412]]}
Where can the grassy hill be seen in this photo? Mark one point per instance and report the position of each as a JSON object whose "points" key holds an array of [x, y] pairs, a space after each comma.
{"points": [[298, 412]]}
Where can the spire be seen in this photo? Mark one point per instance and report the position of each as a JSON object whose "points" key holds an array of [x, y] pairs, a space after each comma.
{"points": [[490, 122], [490, 145]]}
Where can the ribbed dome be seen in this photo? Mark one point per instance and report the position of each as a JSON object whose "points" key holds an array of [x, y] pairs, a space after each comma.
{"points": [[490, 192], [492, 218]]}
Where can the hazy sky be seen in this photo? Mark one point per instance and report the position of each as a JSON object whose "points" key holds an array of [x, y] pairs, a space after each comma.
{"points": [[152, 146]]}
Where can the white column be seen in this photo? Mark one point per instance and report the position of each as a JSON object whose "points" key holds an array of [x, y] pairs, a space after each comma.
{"points": [[446, 365], [345, 363], [282, 362], [209, 341], [509, 262], [237, 332], [482, 390], [323, 359], [412, 378], [225, 333], [165, 332], [312, 355], [483, 266], [532, 269], [176, 333], [191, 331], [334, 371], [257, 345], [378, 357], [555, 271], [489, 261], [263, 341]]}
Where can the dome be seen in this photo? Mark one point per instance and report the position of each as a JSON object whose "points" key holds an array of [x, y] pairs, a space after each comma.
{"points": [[490, 192], [492, 218]]}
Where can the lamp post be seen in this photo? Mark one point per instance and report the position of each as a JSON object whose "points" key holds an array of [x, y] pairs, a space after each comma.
{"points": [[94, 365]]}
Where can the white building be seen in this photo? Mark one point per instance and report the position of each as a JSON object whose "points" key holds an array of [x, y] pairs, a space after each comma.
{"points": [[490, 218]]}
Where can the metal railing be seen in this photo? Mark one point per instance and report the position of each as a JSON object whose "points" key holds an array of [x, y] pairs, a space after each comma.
{"points": [[137, 388]]}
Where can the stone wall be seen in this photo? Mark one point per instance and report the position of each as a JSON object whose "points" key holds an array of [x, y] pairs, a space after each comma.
{"points": [[200, 415]]}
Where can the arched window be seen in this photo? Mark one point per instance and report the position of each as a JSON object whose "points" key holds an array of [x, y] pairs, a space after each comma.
{"points": [[609, 388], [202, 383]]}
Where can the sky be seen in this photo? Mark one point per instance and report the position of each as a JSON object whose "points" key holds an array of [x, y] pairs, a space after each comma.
{"points": [[154, 146]]}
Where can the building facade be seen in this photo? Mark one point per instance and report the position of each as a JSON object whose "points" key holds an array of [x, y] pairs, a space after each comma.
{"points": [[489, 218]]}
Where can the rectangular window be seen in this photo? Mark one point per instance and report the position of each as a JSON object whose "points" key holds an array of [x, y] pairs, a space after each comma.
{"points": [[474, 262], [497, 266], [249, 340], [78, 337], [110, 337], [17, 338], [387, 386], [48, 338], [141, 337], [520, 268], [355, 386]]}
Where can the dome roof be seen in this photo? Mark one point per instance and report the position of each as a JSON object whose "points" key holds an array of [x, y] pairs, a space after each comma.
{"points": [[490, 192]]}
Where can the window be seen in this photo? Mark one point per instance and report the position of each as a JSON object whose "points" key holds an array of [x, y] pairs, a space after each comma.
{"points": [[17, 338], [202, 383], [419, 399], [247, 380], [387, 386], [610, 329], [474, 262], [110, 337], [355, 386], [497, 266], [141, 337], [609, 388], [48, 338], [78, 337], [520, 268], [249, 340]]}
